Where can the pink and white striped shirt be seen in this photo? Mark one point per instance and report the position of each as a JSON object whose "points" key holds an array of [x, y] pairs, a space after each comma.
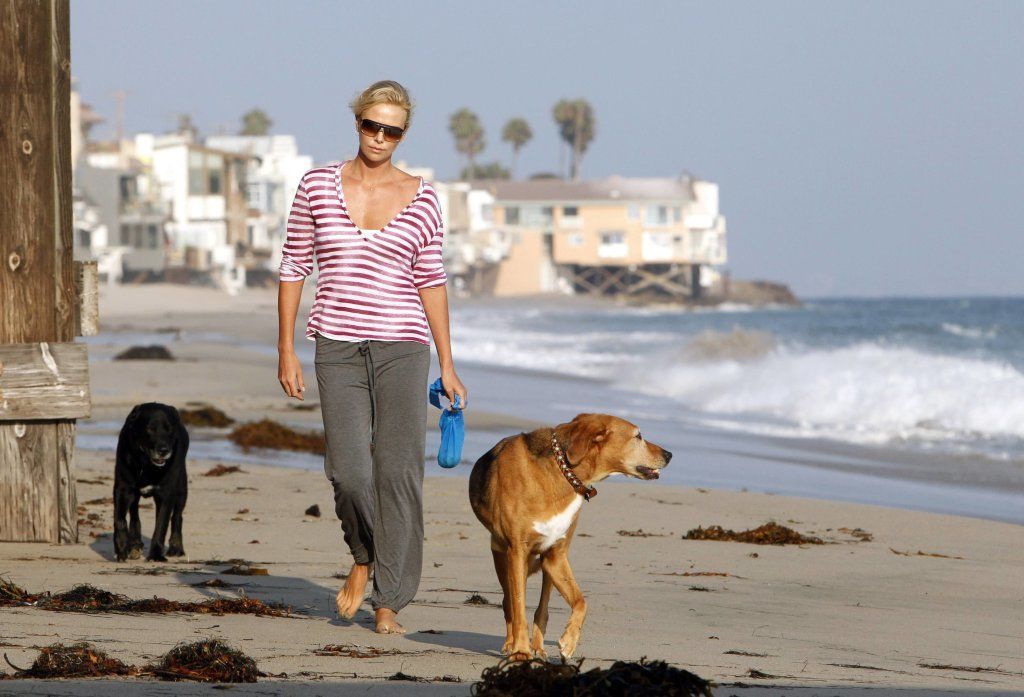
{"points": [[369, 280]]}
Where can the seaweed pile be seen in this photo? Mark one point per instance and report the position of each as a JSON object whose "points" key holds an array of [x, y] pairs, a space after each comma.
{"points": [[767, 534], [538, 678], [209, 660], [155, 352], [86, 598], [205, 417], [270, 434]]}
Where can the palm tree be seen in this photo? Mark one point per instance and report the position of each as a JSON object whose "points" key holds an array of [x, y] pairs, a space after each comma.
{"points": [[255, 122], [576, 126], [468, 132], [518, 133]]}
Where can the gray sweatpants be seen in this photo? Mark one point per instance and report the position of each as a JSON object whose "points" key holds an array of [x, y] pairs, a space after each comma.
{"points": [[373, 395]]}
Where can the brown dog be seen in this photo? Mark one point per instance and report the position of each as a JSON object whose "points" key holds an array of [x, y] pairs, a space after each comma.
{"points": [[528, 490]]}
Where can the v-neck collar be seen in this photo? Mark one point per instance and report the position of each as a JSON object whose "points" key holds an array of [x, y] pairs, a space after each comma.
{"points": [[344, 204]]}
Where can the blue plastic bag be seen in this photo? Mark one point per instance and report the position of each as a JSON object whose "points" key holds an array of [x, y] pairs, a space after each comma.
{"points": [[453, 429]]}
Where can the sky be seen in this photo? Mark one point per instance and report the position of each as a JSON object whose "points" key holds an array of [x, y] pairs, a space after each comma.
{"points": [[861, 148]]}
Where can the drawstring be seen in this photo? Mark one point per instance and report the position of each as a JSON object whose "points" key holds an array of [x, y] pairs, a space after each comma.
{"points": [[364, 348]]}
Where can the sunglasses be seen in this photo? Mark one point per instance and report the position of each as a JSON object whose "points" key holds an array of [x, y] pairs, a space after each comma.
{"points": [[369, 127]]}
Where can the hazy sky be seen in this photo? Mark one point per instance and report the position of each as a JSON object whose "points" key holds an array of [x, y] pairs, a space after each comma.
{"points": [[868, 148]]}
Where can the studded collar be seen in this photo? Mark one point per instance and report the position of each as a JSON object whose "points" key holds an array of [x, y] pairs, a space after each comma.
{"points": [[587, 492]]}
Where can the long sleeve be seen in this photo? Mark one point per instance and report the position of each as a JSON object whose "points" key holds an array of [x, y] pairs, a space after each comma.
{"points": [[297, 256]]}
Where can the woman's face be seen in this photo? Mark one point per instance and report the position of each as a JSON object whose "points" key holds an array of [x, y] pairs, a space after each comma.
{"points": [[376, 148]]}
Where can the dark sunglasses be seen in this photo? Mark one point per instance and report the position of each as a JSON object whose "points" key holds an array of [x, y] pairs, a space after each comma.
{"points": [[369, 127]]}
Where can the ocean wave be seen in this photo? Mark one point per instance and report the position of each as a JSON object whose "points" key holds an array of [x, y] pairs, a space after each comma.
{"points": [[968, 332], [865, 392]]}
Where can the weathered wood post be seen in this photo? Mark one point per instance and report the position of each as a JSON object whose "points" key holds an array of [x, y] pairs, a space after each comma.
{"points": [[44, 383]]}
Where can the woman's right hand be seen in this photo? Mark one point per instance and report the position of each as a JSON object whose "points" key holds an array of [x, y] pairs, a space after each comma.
{"points": [[289, 374]]}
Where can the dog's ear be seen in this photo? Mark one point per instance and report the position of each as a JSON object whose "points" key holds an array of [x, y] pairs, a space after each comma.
{"points": [[133, 415], [581, 435]]}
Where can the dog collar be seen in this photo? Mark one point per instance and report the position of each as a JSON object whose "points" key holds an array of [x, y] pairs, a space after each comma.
{"points": [[587, 492]]}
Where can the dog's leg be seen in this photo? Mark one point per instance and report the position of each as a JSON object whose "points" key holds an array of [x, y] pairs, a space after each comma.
{"points": [[122, 502], [163, 516], [556, 565], [516, 574], [501, 569], [540, 618], [176, 548], [135, 546]]}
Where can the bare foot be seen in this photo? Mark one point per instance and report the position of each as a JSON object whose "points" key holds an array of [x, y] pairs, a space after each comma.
{"points": [[386, 622], [350, 597]]}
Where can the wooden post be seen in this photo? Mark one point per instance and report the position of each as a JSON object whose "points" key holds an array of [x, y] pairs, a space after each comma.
{"points": [[38, 299]]}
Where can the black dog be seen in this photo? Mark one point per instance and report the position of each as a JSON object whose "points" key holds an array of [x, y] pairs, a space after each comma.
{"points": [[150, 462]]}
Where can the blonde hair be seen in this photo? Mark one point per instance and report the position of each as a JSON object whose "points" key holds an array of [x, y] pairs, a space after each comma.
{"points": [[383, 92]]}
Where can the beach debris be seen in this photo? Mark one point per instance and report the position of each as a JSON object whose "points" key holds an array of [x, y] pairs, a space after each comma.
{"points": [[205, 416], [73, 661], [220, 469], [919, 553], [12, 594], [538, 677], [209, 660], [733, 652], [768, 534], [245, 570], [214, 583], [476, 599], [754, 673], [703, 589], [353, 651], [270, 434], [155, 352], [105, 501], [313, 510], [98, 480], [639, 533], [861, 535], [305, 406], [86, 598], [429, 631], [966, 669]]}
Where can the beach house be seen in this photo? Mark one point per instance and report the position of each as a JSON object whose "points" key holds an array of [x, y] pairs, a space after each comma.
{"points": [[618, 235]]}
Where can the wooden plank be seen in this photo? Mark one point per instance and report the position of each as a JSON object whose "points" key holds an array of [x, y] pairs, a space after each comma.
{"points": [[28, 487], [27, 257], [44, 381], [87, 287], [67, 494]]}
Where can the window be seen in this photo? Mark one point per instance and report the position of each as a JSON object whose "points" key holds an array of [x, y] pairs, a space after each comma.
{"points": [[677, 214], [633, 212], [138, 243], [196, 186], [656, 215], [570, 211], [154, 239], [613, 244], [537, 216], [512, 215], [215, 174], [126, 234]]}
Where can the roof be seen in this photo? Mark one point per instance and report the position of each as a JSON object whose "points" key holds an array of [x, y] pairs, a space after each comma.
{"points": [[607, 189]]}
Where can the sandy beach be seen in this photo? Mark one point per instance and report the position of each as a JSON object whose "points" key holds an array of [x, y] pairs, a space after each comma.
{"points": [[930, 604]]}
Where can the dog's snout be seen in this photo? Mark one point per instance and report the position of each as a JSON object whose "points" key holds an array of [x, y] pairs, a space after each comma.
{"points": [[666, 454], [163, 452]]}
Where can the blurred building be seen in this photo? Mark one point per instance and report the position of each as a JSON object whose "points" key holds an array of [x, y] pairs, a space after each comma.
{"points": [[632, 236]]}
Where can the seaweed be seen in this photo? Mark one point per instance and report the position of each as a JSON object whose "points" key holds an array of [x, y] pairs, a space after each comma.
{"points": [[270, 434], [538, 678], [209, 660], [155, 352], [767, 534], [73, 661], [89, 599], [476, 599], [205, 417], [313, 511], [219, 470]]}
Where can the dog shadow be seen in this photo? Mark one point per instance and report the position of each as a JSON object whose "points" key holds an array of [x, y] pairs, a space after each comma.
{"points": [[484, 644]]}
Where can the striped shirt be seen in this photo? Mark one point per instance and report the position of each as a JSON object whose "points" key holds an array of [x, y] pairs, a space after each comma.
{"points": [[368, 280]]}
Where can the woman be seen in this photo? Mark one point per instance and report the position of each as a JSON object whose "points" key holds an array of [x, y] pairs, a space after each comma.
{"points": [[377, 234]]}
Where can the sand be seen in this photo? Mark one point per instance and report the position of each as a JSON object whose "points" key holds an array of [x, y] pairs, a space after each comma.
{"points": [[846, 618]]}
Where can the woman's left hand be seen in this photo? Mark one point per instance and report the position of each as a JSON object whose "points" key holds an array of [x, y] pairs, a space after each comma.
{"points": [[453, 386]]}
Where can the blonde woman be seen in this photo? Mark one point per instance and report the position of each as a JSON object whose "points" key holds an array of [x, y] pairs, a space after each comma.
{"points": [[376, 232]]}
